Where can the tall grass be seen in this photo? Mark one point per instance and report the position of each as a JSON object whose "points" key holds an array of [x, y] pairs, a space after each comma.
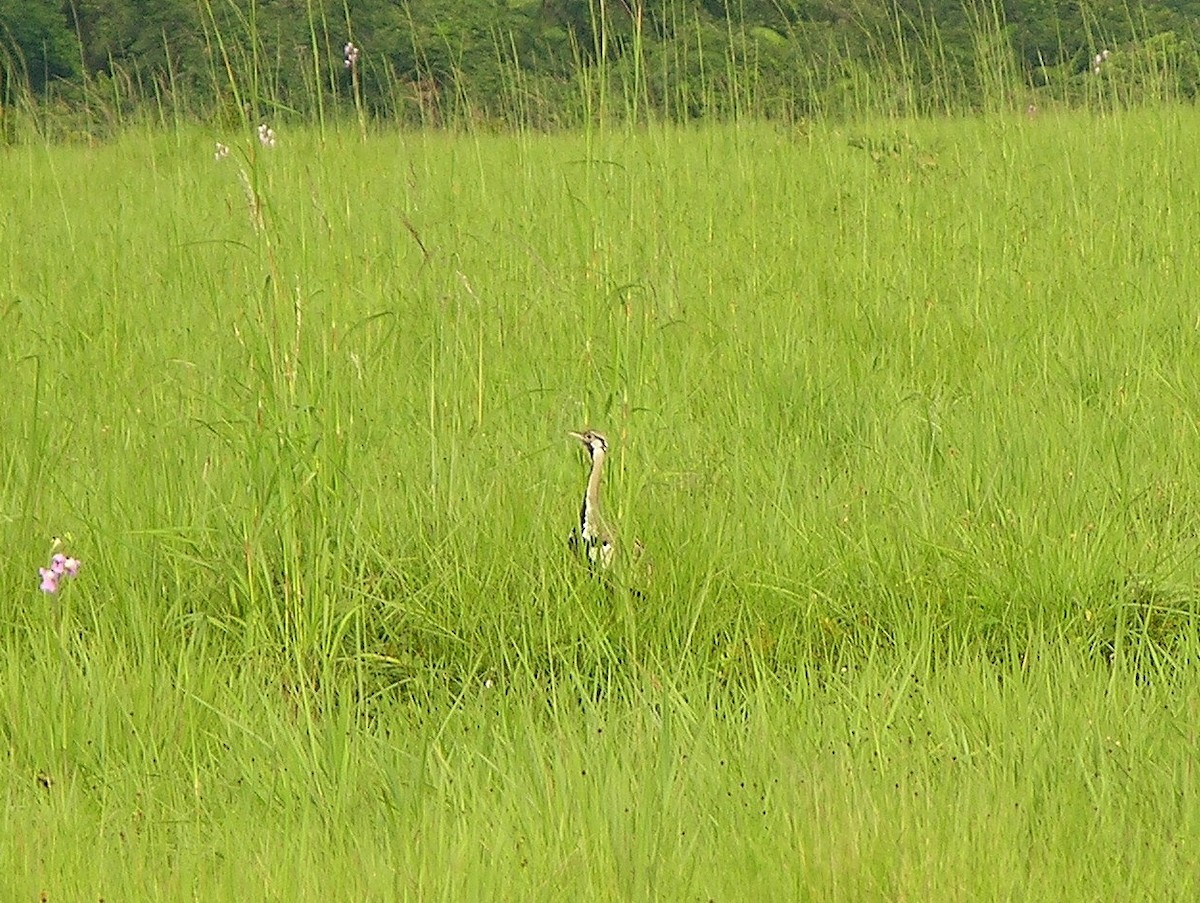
{"points": [[903, 413]]}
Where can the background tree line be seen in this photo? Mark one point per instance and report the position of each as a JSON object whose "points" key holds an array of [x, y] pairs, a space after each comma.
{"points": [[542, 62]]}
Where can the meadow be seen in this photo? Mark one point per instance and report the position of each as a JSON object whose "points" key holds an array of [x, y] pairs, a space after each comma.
{"points": [[904, 412]]}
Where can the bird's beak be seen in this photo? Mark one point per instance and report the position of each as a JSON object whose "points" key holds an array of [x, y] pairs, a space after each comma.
{"points": [[578, 436]]}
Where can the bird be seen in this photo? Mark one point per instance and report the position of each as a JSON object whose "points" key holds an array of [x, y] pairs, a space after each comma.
{"points": [[592, 537]]}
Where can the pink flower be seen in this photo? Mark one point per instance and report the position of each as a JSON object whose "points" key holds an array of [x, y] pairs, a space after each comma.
{"points": [[60, 566], [49, 580]]}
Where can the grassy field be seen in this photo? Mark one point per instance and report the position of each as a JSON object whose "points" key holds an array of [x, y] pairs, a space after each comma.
{"points": [[906, 415]]}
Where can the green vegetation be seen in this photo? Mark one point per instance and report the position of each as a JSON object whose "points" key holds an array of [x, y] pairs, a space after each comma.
{"points": [[904, 412], [551, 63]]}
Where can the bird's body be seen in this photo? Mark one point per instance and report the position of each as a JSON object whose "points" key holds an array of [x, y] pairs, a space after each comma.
{"points": [[592, 537]]}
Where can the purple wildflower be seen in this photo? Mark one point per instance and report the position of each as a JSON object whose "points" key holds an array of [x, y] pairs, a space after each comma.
{"points": [[49, 580], [60, 566]]}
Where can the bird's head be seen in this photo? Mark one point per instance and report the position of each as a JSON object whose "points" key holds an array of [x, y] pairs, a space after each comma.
{"points": [[593, 441]]}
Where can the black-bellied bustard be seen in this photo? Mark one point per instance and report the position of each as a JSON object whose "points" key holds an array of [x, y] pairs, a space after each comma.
{"points": [[591, 536]]}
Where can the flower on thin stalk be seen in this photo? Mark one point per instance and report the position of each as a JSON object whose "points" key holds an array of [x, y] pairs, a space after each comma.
{"points": [[49, 580], [351, 53], [266, 135], [221, 152], [64, 564], [61, 566]]}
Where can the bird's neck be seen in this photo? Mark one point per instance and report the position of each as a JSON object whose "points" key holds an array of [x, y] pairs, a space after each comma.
{"points": [[590, 515]]}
